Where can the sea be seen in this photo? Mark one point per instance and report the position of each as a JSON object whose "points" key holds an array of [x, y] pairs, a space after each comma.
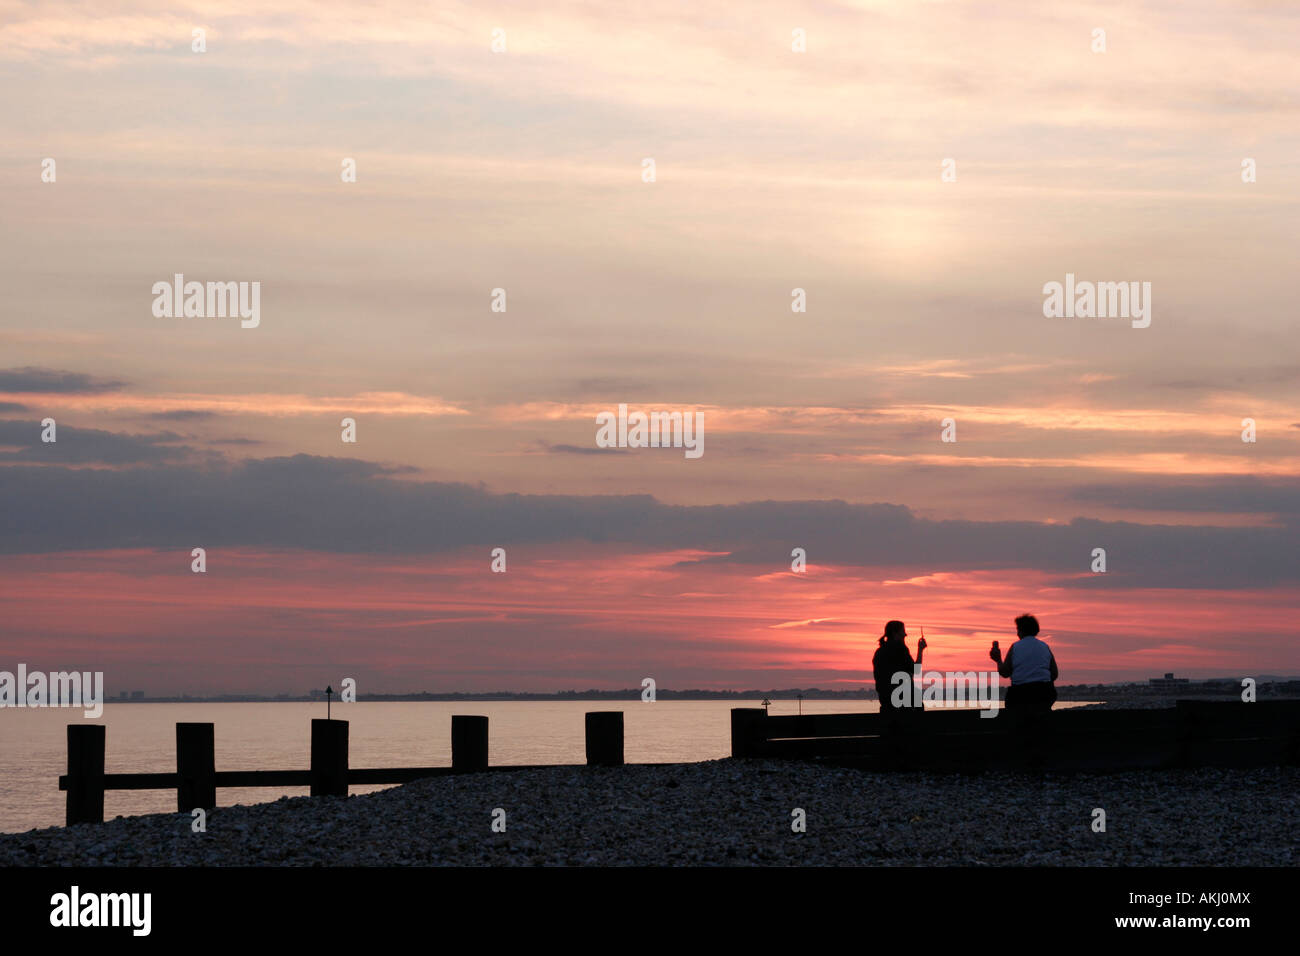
{"points": [[141, 738]]}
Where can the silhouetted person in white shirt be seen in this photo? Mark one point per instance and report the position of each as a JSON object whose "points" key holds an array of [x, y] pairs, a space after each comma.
{"points": [[1032, 668]]}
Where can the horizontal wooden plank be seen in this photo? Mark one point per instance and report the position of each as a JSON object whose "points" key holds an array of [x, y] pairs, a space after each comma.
{"points": [[132, 781], [1198, 718], [798, 748], [1236, 718], [1055, 749], [263, 778], [934, 720], [820, 725], [953, 720], [302, 778], [395, 774], [1120, 720], [1238, 752], [978, 753]]}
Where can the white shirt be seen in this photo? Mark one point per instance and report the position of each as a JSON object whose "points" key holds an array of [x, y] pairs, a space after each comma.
{"points": [[1031, 661]]}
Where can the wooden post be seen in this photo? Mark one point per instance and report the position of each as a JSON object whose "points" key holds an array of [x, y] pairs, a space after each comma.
{"points": [[196, 767], [605, 738], [329, 758], [85, 774], [469, 743], [747, 733]]}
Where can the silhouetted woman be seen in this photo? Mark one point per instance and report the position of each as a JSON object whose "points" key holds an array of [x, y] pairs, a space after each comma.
{"points": [[893, 657]]}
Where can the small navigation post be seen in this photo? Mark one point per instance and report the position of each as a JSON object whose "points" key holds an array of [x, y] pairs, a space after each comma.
{"points": [[329, 691]]}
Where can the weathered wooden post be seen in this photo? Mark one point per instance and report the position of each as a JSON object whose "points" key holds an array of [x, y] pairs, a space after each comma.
{"points": [[605, 738], [329, 758], [469, 743], [196, 767], [747, 734], [85, 774]]}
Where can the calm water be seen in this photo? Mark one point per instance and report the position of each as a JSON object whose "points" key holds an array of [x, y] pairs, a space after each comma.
{"points": [[276, 736]]}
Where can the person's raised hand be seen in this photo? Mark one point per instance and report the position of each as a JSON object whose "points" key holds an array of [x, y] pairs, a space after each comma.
{"points": [[920, 645]]}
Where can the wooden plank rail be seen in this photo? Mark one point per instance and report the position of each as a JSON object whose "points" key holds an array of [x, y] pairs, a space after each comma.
{"points": [[289, 778], [1192, 734], [196, 778]]}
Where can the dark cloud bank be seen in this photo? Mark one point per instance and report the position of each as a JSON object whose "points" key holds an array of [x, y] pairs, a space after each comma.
{"points": [[350, 506]]}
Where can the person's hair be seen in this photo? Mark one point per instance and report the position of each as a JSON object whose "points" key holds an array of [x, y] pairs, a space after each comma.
{"points": [[894, 628], [1027, 625]]}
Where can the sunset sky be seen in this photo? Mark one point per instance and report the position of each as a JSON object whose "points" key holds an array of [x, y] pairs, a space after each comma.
{"points": [[522, 170]]}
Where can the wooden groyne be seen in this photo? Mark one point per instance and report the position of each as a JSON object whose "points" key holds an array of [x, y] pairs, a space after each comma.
{"points": [[1193, 733], [196, 778]]}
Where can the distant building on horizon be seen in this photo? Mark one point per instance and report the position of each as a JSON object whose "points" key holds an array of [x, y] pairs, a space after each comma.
{"points": [[1169, 682]]}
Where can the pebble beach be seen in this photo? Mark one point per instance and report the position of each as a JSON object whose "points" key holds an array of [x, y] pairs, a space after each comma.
{"points": [[722, 813]]}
